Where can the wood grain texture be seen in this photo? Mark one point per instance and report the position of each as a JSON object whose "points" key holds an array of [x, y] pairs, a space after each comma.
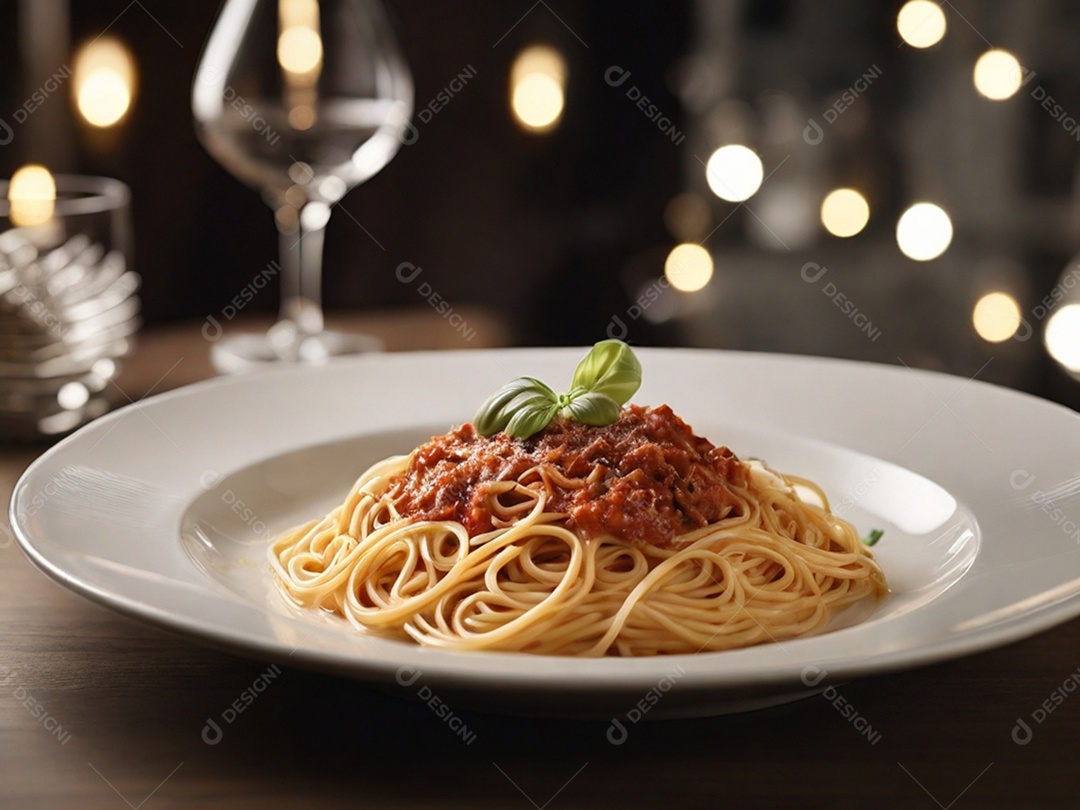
{"points": [[121, 710]]}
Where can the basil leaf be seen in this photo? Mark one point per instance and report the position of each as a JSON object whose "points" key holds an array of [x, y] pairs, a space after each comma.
{"points": [[570, 396], [604, 380], [609, 368], [495, 414], [594, 409], [531, 417], [873, 537]]}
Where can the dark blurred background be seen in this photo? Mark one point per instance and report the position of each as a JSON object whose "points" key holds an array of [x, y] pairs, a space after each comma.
{"points": [[604, 221]]}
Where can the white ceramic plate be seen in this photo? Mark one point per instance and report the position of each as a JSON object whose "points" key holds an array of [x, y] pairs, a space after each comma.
{"points": [[163, 511]]}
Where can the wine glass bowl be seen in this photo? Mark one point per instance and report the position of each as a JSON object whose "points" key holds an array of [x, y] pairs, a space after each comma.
{"points": [[302, 100]]}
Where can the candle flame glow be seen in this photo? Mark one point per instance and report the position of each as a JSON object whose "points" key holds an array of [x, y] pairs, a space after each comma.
{"points": [[537, 88], [32, 194], [104, 82]]}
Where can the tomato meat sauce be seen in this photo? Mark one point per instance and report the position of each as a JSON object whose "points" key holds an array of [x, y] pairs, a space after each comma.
{"points": [[645, 479]]}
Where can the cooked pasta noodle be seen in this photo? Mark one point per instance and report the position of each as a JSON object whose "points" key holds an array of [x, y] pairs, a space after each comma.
{"points": [[777, 566]]}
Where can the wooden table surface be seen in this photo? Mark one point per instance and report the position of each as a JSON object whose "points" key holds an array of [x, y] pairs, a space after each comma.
{"points": [[97, 711]]}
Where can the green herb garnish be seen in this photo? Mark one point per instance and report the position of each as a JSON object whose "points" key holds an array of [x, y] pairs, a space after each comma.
{"points": [[603, 382], [872, 538]]}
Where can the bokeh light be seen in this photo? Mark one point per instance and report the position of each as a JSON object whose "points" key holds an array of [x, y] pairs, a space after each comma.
{"points": [[688, 267], [1062, 336], [921, 23], [844, 212], [924, 232], [32, 195], [996, 317], [72, 395], [300, 49], [998, 75], [734, 172], [537, 88], [103, 81]]}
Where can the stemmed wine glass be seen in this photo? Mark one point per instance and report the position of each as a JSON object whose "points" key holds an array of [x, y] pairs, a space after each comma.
{"points": [[302, 99]]}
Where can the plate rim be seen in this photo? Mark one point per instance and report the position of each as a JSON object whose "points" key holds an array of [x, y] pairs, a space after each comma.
{"points": [[995, 634]]}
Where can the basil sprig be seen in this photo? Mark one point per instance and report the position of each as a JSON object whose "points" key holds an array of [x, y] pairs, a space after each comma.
{"points": [[603, 382]]}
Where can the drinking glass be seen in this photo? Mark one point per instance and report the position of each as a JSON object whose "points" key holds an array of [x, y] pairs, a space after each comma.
{"points": [[68, 304], [301, 99]]}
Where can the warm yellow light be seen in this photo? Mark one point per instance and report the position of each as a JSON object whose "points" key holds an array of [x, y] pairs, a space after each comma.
{"points": [[300, 54], [299, 13], [688, 267], [104, 97], [103, 81], [996, 317], [537, 88], [921, 23], [844, 212], [997, 75], [924, 232], [299, 49], [542, 59], [32, 194], [734, 173], [538, 101], [1062, 336]]}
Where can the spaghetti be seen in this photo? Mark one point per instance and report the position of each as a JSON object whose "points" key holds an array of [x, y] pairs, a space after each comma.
{"points": [[637, 538]]}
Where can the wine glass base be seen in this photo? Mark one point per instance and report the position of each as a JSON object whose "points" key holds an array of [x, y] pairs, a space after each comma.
{"points": [[244, 352]]}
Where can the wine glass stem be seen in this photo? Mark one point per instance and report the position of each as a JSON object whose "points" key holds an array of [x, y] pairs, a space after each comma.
{"points": [[301, 240], [289, 253]]}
